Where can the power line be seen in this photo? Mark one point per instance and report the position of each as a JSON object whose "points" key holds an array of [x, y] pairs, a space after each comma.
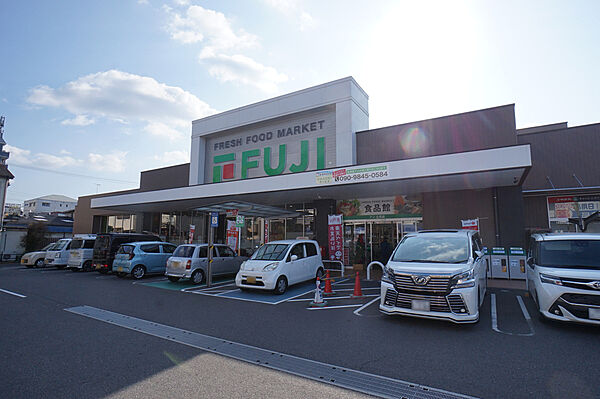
{"points": [[73, 174]]}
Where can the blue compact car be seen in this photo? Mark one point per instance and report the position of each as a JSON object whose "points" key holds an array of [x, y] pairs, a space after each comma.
{"points": [[141, 258]]}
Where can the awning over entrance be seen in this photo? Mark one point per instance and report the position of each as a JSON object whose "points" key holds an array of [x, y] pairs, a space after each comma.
{"points": [[496, 167], [248, 209]]}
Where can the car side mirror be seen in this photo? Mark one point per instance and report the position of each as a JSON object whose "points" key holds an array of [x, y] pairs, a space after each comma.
{"points": [[479, 254], [530, 262], [293, 258]]}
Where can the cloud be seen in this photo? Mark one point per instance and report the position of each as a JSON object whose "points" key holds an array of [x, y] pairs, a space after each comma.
{"points": [[211, 27], [79, 120], [112, 162], [159, 129], [181, 2], [173, 158], [20, 156], [292, 9], [239, 68], [124, 98]]}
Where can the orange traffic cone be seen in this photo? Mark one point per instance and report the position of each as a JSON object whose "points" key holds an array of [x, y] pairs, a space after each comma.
{"points": [[328, 290], [357, 290]]}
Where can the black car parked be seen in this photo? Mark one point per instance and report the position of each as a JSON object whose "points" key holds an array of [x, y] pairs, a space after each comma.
{"points": [[107, 244]]}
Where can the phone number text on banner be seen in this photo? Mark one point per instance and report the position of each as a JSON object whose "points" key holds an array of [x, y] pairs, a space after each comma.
{"points": [[351, 175]]}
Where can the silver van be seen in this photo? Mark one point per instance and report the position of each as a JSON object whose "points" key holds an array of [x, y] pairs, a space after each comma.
{"points": [[190, 261], [81, 253]]}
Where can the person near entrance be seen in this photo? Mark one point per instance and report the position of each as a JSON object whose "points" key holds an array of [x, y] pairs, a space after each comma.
{"points": [[385, 250]]}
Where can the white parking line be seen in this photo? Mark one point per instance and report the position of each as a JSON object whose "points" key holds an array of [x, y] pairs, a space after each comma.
{"points": [[13, 293], [357, 311], [335, 307], [330, 297], [525, 315]]}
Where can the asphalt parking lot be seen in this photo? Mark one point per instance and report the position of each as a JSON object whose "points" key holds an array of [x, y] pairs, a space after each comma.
{"points": [[49, 352]]}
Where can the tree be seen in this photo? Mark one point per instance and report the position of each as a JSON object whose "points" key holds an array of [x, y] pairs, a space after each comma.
{"points": [[35, 237]]}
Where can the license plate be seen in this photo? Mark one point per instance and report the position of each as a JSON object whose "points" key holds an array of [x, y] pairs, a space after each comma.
{"points": [[120, 268], [420, 304], [251, 280], [594, 314]]}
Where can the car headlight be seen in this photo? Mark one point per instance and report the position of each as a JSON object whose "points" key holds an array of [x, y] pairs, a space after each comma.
{"points": [[388, 275], [243, 265], [548, 279], [463, 280], [271, 266], [57, 255]]}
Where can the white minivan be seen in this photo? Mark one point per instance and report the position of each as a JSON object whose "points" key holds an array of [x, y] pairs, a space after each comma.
{"points": [[563, 276], [59, 255], [279, 264], [81, 253], [436, 274]]}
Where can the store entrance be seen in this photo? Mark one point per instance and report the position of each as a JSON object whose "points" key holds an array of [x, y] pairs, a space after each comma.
{"points": [[369, 240]]}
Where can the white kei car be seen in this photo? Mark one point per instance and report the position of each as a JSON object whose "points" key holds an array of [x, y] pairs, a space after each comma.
{"points": [[436, 274], [279, 264], [563, 276]]}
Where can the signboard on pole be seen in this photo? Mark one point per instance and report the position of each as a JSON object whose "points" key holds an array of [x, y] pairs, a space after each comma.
{"points": [[336, 241], [214, 219], [266, 231], [231, 213], [192, 230], [239, 221], [470, 224]]}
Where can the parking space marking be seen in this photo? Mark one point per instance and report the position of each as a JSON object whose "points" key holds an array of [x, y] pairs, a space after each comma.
{"points": [[357, 311], [13, 293], [523, 310], [335, 307], [331, 297], [227, 292], [204, 288]]}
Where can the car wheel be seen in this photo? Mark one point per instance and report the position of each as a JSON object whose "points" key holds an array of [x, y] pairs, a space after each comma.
{"points": [[320, 273], [87, 266], [197, 277], [281, 285], [138, 272], [173, 279], [39, 263]]}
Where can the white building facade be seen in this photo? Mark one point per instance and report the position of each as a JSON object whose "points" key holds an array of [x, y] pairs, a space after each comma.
{"points": [[49, 204]]}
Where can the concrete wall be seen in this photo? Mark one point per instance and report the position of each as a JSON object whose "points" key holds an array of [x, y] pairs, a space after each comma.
{"points": [[477, 130], [558, 154], [445, 210], [169, 177]]}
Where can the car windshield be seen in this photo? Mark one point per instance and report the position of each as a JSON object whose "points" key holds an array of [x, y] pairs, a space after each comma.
{"points": [[432, 249], [184, 251], [76, 244], [48, 247], [582, 254], [271, 252]]}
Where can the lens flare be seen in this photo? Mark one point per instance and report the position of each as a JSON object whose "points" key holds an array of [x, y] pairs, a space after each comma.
{"points": [[414, 141]]}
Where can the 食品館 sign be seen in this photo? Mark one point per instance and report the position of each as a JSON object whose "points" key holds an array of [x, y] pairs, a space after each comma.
{"points": [[399, 206]]}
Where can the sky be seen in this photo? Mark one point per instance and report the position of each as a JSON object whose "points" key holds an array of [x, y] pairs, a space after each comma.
{"points": [[94, 92]]}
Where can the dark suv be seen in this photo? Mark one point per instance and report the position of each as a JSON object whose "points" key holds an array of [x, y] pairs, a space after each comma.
{"points": [[107, 244]]}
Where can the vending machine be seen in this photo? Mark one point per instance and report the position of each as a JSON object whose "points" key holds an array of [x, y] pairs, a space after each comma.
{"points": [[499, 263], [516, 261]]}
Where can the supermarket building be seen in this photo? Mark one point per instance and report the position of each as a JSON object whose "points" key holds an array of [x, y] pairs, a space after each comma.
{"points": [[289, 162]]}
